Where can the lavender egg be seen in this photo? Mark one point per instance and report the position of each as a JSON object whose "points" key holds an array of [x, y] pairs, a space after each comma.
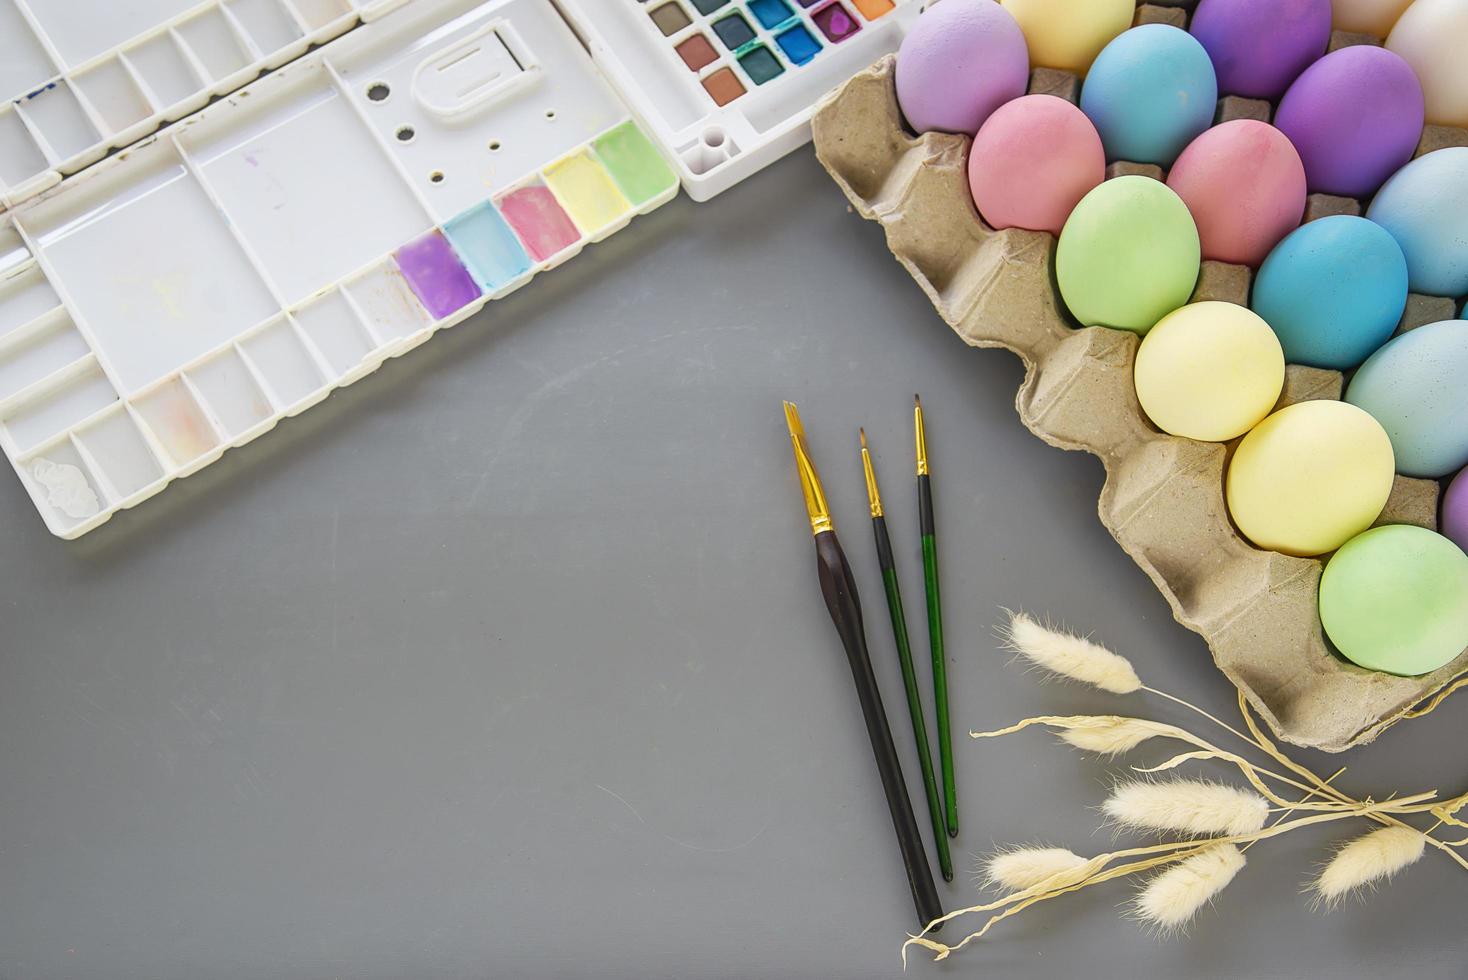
{"points": [[1259, 47], [1355, 116], [962, 60]]}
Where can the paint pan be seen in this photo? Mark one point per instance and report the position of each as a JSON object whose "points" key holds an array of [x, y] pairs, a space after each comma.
{"points": [[202, 285], [728, 86]]}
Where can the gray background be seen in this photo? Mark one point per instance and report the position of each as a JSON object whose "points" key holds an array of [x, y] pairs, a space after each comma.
{"points": [[509, 660]]}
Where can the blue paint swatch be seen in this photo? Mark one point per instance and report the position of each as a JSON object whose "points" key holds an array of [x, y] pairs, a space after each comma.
{"points": [[770, 13], [734, 31], [798, 44], [708, 6], [488, 247]]}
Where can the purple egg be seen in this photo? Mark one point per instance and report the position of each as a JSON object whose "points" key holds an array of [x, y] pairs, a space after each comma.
{"points": [[962, 60], [1355, 116], [1259, 46], [1455, 510]]}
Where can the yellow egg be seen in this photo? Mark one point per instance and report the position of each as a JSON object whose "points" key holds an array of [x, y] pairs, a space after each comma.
{"points": [[1431, 36], [1374, 17], [1068, 34], [1310, 477], [1209, 371]]}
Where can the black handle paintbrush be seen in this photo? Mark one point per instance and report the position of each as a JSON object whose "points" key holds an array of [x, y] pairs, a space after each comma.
{"points": [[839, 589]]}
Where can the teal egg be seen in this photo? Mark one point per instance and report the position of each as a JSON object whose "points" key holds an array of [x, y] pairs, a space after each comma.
{"points": [[1395, 599], [1425, 207], [1333, 290], [1149, 93], [1417, 388]]}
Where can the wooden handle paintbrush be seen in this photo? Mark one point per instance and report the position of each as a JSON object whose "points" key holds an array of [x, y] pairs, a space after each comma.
{"points": [[904, 658], [839, 589], [935, 618]]}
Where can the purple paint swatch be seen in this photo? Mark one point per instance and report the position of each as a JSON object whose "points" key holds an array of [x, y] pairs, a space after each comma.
{"points": [[1259, 46], [435, 275], [835, 22], [1355, 116], [539, 220], [1455, 510]]}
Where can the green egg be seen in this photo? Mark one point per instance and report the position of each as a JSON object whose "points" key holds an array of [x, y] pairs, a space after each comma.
{"points": [[1128, 255], [1395, 599]]}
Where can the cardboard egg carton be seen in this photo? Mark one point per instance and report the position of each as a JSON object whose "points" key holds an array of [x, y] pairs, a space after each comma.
{"points": [[1163, 499]]}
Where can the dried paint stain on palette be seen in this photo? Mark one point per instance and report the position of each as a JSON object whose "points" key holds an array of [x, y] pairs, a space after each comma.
{"points": [[732, 47], [492, 246]]}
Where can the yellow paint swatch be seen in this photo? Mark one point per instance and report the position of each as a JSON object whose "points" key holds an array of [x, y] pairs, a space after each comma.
{"points": [[586, 191]]}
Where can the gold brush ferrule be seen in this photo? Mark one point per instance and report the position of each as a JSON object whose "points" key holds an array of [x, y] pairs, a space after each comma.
{"points": [[873, 496], [921, 440], [810, 480]]}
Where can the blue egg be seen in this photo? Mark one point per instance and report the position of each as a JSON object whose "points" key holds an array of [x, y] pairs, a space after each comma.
{"points": [[1417, 388], [1425, 207], [1149, 93], [1333, 290]]}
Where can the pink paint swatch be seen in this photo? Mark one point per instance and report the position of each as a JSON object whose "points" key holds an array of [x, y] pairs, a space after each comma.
{"points": [[538, 219]]}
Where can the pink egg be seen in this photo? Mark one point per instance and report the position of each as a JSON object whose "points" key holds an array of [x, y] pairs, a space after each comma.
{"points": [[1245, 186], [1032, 161]]}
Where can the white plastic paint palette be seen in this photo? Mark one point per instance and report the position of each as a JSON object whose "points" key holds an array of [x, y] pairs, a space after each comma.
{"points": [[728, 86], [77, 79], [186, 294]]}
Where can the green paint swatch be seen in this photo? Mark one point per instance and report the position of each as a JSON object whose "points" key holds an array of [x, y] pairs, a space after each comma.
{"points": [[634, 163]]}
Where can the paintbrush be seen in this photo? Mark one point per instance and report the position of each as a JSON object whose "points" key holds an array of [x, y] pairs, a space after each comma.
{"points": [[904, 657], [838, 586], [935, 618]]}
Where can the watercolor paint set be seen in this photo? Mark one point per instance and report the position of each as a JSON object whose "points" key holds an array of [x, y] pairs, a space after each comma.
{"points": [[728, 86], [78, 79], [181, 295], [184, 295]]}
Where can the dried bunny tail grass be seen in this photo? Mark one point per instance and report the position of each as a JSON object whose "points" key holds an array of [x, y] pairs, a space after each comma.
{"points": [[1171, 899], [1113, 735], [1187, 806], [1368, 859], [1026, 867], [1069, 655]]}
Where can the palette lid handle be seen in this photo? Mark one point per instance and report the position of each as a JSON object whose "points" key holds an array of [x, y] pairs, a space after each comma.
{"points": [[475, 71]]}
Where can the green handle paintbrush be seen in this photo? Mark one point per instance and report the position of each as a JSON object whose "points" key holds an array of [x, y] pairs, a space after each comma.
{"points": [[935, 619], [904, 657]]}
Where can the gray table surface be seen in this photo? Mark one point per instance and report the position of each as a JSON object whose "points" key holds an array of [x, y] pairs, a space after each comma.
{"points": [[509, 660]]}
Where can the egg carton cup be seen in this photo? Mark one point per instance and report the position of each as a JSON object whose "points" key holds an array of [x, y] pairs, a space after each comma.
{"points": [[1163, 500]]}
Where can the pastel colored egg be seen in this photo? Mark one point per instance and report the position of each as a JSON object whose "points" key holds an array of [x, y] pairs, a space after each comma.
{"points": [[1245, 186], [1374, 17], [1431, 35], [1150, 92], [1425, 207], [1309, 478], [1355, 116], [1068, 34], [1455, 510], [1333, 290], [1395, 599], [1128, 255], [962, 60], [1209, 371], [1259, 47], [1032, 161], [1417, 388]]}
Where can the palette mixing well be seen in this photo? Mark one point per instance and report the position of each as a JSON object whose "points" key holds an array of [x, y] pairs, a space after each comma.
{"points": [[183, 296], [728, 86], [74, 82]]}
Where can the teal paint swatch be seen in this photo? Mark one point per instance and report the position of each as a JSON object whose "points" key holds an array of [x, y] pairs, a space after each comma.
{"points": [[487, 246]]}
